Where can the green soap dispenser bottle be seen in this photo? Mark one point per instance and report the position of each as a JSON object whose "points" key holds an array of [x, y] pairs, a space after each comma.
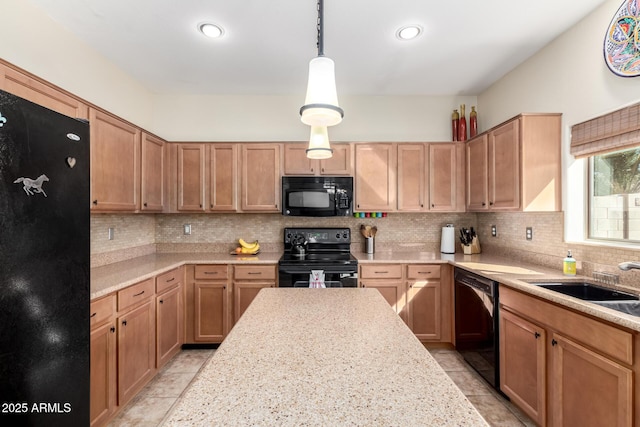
{"points": [[569, 265]]}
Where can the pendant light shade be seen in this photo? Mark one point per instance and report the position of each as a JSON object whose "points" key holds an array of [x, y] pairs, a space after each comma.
{"points": [[319, 147], [321, 103]]}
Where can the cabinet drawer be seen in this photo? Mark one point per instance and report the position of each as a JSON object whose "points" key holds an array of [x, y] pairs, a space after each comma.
{"points": [[381, 271], [168, 280], [102, 310], [423, 271], [254, 272], [135, 294], [211, 272]]}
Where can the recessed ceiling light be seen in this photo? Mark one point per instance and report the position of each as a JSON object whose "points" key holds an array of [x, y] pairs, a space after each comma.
{"points": [[211, 30], [409, 32]]}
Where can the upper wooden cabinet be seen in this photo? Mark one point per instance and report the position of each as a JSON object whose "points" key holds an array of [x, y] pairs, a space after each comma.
{"points": [[115, 163], [152, 174], [260, 171], [222, 176], [375, 177], [430, 177], [34, 90], [297, 163], [191, 177], [516, 166]]}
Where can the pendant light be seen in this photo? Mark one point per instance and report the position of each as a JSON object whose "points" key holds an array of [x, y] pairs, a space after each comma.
{"points": [[321, 107], [319, 147]]}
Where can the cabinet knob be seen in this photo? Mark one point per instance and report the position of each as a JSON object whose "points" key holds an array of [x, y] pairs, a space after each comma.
{"points": [[322, 169], [113, 329], [554, 342], [95, 202], [484, 204], [144, 204], [161, 301], [433, 205], [490, 203], [311, 169], [124, 323], [537, 335]]}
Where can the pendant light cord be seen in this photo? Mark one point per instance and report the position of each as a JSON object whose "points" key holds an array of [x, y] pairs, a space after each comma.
{"points": [[320, 41]]}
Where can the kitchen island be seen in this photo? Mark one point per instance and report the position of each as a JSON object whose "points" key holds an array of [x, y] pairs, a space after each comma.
{"points": [[322, 357]]}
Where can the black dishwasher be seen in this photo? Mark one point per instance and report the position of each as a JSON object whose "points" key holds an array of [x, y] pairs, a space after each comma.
{"points": [[476, 312]]}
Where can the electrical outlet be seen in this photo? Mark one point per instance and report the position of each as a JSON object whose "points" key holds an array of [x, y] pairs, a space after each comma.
{"points": [[529, 233], [494, 231], [187, 229], [110, 233]]}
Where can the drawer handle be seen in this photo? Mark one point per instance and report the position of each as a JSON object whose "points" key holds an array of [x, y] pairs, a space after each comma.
{"points": [[137, 295], [94, 314], [171, 280], [210, 272], [255, 272], [424, 272], [381, 272]]}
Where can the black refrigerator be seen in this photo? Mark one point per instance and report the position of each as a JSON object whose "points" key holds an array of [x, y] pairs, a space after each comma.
{"points": [[44, 253]]}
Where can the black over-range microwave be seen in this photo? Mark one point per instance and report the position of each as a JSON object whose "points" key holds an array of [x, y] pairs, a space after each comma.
{"points": [[317, 195]]}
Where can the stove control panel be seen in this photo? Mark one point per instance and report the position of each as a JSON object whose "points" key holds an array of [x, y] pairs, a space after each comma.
{"points": [[318, 235]]}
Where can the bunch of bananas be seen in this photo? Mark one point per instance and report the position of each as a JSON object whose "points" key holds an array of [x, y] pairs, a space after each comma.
{"points": [[248, 248]]}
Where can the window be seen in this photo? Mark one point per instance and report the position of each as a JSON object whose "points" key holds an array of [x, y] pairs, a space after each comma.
{"points": [[614, 196]]}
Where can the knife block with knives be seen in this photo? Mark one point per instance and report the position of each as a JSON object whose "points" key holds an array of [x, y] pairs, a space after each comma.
{"points": [[469, 241]]}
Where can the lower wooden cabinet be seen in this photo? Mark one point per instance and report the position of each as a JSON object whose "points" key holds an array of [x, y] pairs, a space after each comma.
{"points": [[169, 324], [136, 350], [421, 294], [248, 280], [103, 392], [564, 368], [207, 303]]}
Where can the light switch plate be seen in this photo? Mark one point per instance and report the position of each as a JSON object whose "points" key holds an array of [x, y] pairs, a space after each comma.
{"points": [[110, 233], [494, 231], [187, 229], [529, 233]]}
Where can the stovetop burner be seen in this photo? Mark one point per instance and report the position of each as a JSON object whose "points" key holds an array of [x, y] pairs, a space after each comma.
{"points": [[328, 246]]}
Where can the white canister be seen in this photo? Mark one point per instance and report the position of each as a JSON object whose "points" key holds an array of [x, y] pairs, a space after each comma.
{"points": [[448, 240]]}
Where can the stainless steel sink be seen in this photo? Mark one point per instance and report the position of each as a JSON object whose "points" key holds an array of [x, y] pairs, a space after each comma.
{"points": [[605, 297], [588, 292]]}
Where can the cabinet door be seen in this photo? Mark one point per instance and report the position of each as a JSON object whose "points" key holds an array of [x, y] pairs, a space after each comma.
{"points": [[260, 177], [477, 177], [588, 389], [169, 325], [115, 163], [103, 373], [243, 295], [392, 291], [375, 181], [152, 176], [36, 91], [211, 311], [412, 179], [296, 161], [523, 364], [223, 174], [136, 350], [423, 299], [340, 163], [504, 167], [191, 164], [444, 167]]}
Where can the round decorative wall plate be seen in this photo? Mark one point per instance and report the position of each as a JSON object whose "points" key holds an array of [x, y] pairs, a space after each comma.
{"points": [[622, 41]]}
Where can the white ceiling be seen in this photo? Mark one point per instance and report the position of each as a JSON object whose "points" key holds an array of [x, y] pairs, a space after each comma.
{"points": [[466, 46]]}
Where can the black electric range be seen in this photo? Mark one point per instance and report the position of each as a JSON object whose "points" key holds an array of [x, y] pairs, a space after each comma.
{"points": [[326, 249]]}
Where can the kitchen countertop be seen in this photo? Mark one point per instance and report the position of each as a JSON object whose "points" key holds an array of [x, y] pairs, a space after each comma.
{"points": [[116, 276], [112, 277], [322, 357]]}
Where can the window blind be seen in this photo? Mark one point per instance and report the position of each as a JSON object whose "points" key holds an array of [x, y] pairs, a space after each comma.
{"points": [[614, 131]]}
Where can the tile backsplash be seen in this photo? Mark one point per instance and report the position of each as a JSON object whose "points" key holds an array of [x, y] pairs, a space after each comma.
{"points": [[137, 235]]}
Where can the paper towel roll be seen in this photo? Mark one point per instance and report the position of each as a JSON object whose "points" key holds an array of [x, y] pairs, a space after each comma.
{"points": [[448, 240]]}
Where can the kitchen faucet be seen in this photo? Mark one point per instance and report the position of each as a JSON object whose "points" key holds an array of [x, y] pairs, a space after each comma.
{"points": [[629, 265]]}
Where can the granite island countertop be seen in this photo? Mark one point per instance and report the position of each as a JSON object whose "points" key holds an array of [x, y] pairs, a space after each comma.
{"points": [[322, 357]]}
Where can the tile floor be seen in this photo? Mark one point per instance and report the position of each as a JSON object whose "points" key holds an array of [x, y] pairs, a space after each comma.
{"points": [[153, 403]]}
